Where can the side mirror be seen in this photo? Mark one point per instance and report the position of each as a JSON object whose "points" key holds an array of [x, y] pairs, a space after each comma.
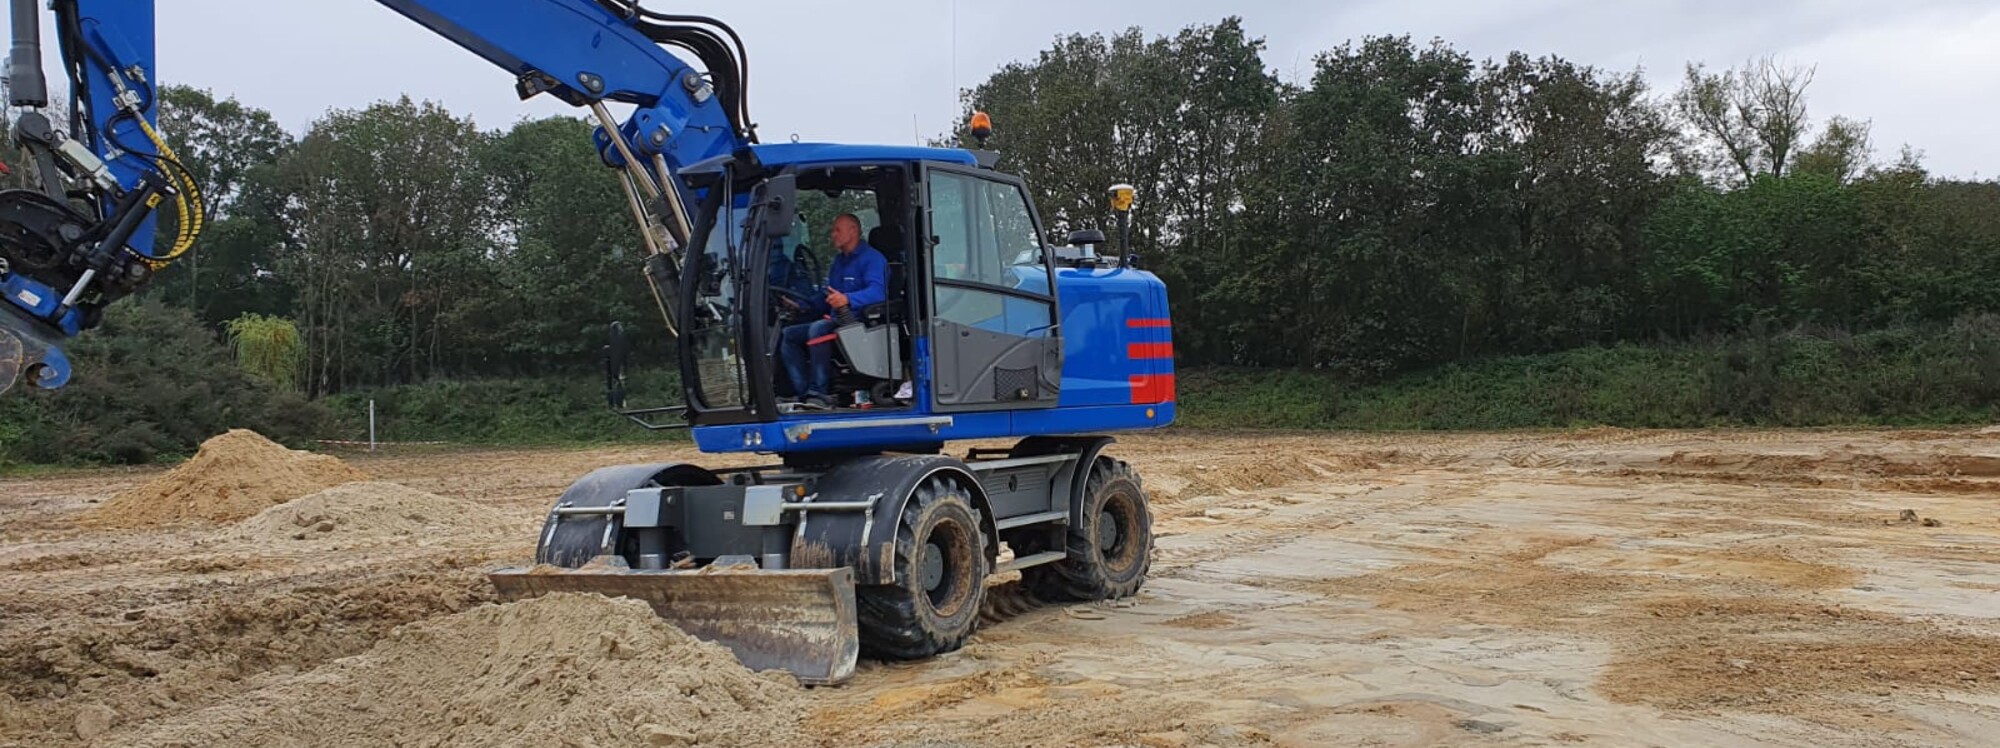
{"points": [[614, 367], [775, 207], [1086, 237]]}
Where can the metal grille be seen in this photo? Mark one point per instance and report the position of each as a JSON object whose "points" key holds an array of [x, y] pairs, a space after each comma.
{"points": [[1010, 384]]}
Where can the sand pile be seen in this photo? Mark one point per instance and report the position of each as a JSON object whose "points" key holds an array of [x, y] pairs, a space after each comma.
{"points": [[364, 511], [235, 475], [197, 643], [564, 669]]}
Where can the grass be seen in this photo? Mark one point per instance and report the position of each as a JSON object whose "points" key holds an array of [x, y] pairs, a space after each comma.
{"points": [[1898, 377], [1901, 377], [512, 412]]}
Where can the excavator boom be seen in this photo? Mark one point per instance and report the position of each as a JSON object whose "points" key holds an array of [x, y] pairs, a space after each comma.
{"points": [[84, 236]]}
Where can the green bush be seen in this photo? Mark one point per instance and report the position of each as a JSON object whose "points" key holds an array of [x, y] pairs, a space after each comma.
{"points": [[150, 382]]}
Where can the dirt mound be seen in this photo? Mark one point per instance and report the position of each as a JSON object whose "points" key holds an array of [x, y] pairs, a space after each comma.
{"points": [[563, 669], [235, 475], [364, 511], [162, 656], [1765, 654]]}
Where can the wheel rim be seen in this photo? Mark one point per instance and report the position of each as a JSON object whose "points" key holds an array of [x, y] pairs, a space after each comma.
{"points": [[1117, 522], [943, 571], [1107, 532], [932, 573]]}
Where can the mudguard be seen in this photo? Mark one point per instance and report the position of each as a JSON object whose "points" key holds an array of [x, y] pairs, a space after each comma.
{"points": [[575, 541], [1077, 478], [866, 541]]}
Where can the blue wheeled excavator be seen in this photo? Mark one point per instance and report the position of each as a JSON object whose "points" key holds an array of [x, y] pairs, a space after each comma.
{"points": [[862, 534]]}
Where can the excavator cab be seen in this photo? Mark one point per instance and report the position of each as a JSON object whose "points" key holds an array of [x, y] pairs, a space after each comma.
{"points": [[871, 344], [971, 305]]}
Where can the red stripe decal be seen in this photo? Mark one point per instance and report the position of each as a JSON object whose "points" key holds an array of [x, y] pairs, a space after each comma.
{"points": [[1138, 351], [823, 339], [1149, 322], [1148, 389]]}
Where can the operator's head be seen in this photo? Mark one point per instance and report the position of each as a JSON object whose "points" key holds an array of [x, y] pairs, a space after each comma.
{"points": [[846, 232]]}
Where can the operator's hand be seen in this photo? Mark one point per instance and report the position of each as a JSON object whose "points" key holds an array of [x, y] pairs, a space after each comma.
{"points": [[788, 303], [836, 299]]}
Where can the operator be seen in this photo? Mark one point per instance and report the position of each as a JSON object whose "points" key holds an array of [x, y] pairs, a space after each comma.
{"points": [[858, 278]]}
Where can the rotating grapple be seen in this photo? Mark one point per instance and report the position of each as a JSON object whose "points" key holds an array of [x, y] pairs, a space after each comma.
{"points": [[81, 237], [57, 273]]}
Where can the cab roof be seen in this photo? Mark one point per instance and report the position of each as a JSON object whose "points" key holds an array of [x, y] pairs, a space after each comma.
{"points": [[781, 155], [789, 154]]}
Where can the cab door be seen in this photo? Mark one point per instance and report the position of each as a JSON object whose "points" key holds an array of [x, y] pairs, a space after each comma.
{"points": [[994, 339]]}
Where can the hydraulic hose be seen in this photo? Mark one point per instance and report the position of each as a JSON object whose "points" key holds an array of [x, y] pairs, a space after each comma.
{"points": [[188, 203]]}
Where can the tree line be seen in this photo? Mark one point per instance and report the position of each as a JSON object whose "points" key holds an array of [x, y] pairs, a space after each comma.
{"points": [[1401, 207], [1408, 206], [405, 243]]}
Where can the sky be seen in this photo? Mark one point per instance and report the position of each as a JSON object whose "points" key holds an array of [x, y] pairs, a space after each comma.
{"points": [[1925, 73]]}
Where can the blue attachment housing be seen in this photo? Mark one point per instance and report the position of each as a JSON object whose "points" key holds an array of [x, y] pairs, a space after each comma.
{"points": [[39, 300], [48, 368]]}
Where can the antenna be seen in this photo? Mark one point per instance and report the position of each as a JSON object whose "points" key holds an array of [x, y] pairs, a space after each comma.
{"points": [[954, 56]]}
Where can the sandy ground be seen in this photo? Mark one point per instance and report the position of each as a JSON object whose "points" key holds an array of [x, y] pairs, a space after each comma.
{"points": [[1600, 587]]}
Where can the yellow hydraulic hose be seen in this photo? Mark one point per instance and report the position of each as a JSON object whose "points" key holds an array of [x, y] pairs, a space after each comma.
{"points": [[187, 201]]}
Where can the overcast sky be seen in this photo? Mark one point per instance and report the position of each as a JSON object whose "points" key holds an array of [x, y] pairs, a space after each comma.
{"points": [[1925, 72]]}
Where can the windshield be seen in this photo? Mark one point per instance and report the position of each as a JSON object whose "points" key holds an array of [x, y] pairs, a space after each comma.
{"points": [[714, 329]]}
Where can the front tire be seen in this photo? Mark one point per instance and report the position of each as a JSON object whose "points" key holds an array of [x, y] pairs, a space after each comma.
{"points": [[1110, 547], [940, 577]]}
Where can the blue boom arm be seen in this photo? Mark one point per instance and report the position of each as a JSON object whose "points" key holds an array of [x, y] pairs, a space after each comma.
{"points": [[84, 236]]}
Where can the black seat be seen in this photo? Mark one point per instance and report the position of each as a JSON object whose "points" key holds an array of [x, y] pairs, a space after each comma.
{"points": [[881, 326], [888, 239]]}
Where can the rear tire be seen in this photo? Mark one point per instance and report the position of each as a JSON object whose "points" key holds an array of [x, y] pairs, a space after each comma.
{"points": [[940, 572], [1110, 546]]}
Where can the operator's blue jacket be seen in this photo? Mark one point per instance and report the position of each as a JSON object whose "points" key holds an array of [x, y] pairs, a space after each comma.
{"points": [[863, 275]]}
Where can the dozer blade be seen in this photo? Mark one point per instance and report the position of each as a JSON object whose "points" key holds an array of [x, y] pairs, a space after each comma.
{"points": [[798, 620], [11, 357]]}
